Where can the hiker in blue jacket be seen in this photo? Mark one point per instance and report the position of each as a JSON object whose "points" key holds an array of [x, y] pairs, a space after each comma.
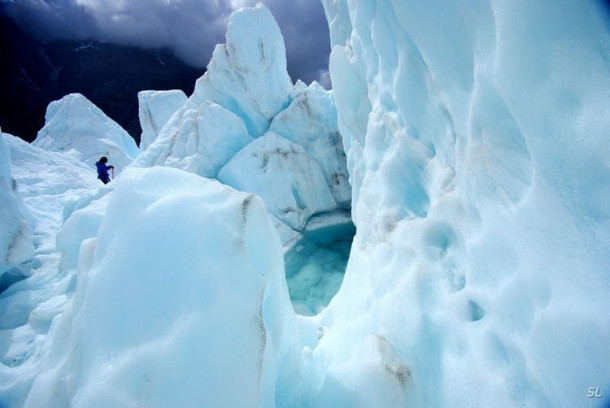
{"points": [[102, 170]]}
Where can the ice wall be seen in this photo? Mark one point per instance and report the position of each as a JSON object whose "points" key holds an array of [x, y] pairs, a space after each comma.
{"points": [[282, 172], [197, 139], [311, 121], [180, 299], [16, 244], [75, 124], [476, 136]]}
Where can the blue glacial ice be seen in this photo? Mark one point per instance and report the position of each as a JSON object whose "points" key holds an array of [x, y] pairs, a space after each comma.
{"points": [[74, 124], [155, 108], [475, 142]]}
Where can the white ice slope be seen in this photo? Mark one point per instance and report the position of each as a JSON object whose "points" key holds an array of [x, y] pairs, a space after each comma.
{"points": [[75, 124]]}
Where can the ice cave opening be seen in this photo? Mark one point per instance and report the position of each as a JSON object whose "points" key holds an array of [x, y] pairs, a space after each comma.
{"points": [[316, 263]]}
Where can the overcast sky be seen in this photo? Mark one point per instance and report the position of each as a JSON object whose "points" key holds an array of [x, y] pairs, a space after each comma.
{"points": [[190, 27]]}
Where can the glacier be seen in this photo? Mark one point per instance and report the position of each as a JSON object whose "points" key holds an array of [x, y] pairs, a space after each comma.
{"points": [[475, 165], [283, 144], [271, 166], [475, 136], [155, 108], [74, 124]]}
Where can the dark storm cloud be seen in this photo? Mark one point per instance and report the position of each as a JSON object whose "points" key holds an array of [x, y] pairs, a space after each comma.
{"points": [[51, 19], [190, 27]]}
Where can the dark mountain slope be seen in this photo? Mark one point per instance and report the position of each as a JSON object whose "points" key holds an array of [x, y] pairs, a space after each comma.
{"points": [[32, 74]]}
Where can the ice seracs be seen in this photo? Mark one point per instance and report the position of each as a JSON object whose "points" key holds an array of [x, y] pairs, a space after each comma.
{"points": [[476, 142], [289, 180], [311, 121], [248, 126], [198, 139], [154, 110], [247, 75], [75, 124], [478, 275], [156, 264]]}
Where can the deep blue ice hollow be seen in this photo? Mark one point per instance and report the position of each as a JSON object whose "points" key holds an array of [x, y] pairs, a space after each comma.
{"points": [[315, 266]]}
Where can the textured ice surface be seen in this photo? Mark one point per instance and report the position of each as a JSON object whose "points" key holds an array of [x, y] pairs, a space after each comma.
{"points": [[477, 150], [197, 139], [475, 136], [75, 124], [16, 244], [154, 110], [148, 275], [284, 175], [48, 182], [311, 121], [151, 301], [245, 92], [247, 75]]}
